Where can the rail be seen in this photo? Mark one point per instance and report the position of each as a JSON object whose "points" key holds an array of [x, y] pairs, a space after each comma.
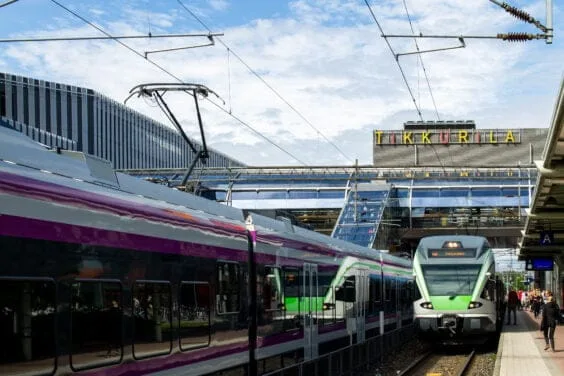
{"points": [[435, 363]]}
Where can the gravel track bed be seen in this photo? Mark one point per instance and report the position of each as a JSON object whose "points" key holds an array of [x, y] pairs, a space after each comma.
{"points": [[444, 361], [445, 365], [482, 365]]}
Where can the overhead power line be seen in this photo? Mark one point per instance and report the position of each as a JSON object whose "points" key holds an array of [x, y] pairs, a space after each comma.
{"points": [[403, 74], [267, 84], [421, 60], [511, 37], [242, 122], [7, 3], [64, 39], [508, 37], [396, 59], [427, 79]]}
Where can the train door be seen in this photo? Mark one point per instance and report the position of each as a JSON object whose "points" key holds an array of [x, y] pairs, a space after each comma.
{"points": [[311, 311], [361, 301]]}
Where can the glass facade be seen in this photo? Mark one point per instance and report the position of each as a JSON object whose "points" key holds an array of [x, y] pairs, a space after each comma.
{"points": [[97, 125], [361, 215]]}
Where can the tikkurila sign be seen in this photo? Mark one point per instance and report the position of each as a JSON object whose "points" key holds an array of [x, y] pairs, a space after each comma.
{"points": [[448, 137]]}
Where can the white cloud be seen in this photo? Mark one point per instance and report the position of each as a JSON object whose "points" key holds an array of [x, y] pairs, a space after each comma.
{"points": [[219, 4], [328, 60], [97, 12]]}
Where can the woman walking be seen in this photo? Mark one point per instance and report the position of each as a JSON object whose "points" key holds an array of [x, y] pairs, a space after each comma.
{"points": [[550, 313]]}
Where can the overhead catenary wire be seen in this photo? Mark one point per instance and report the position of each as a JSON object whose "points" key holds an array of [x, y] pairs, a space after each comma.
{"points": [[511, 36], [396, 59], [116, 37], [294, 109], [164, 70], [421, 60], [4, 4], [403, 74]]}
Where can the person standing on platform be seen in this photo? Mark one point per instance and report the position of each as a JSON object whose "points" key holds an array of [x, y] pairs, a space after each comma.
{"points": [[512, 302], [550, 313], [519, 297], [537, 305]]}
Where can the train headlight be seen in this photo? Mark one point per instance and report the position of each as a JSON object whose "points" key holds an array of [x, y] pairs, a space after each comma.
{"points": [[474, 305], [426, 305], [328, 306]]}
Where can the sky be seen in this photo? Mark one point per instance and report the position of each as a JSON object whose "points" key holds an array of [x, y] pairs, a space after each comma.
{"points": [[305, 82]]}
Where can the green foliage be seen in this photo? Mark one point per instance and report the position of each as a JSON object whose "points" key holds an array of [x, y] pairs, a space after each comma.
{"points": [[513, 279]]}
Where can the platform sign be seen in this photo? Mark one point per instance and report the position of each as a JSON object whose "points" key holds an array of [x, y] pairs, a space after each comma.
{"points": [[539, 264], [546, 238]]}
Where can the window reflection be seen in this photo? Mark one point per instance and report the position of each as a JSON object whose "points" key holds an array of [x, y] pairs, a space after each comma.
{"points": [[451, 280], [194, 315], [152, 318], [228, 294], [27, 327], [96, 323]]}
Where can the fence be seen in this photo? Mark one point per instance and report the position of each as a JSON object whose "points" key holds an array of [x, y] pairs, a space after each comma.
{"points": [[350, 359]]}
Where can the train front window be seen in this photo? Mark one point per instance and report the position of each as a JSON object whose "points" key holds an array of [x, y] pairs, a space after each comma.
{"points": [[450, 280], [293, 283]]}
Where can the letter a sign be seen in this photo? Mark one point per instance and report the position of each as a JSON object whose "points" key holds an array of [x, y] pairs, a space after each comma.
{"points": [[546, 238]]}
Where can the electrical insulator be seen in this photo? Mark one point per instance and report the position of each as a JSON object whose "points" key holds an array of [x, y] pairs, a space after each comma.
{"points": [[516, 37], [520, 14]]}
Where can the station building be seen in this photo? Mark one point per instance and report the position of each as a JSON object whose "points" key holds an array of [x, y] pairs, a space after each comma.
{"points": [[426, 178], [82, 119]]}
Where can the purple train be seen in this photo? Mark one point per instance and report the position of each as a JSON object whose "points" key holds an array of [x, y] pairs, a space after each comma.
{"points": [[104, 274]]}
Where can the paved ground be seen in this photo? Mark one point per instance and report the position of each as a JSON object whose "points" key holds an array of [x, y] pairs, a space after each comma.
{"points": [[522, 351]]}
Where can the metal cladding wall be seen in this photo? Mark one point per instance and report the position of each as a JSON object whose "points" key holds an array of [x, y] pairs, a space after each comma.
{"points": [[99, 125], [529, 147]]}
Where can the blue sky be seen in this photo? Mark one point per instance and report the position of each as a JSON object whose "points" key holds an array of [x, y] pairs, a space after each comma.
{"points": [[324, 57]]}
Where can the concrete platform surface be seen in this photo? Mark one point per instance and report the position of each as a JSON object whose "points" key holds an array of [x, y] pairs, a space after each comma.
{"points": [[521, 349]]}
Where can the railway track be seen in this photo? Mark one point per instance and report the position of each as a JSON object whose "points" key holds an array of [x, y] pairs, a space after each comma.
{"points": [[439, 364]]}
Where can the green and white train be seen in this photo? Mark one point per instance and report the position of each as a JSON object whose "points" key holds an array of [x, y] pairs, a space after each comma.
{"points": [[460, 299]]}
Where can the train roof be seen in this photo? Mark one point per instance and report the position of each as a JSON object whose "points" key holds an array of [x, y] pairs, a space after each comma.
{"points": [[23, 156]]}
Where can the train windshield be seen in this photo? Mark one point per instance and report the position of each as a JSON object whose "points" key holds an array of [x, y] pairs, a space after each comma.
{"points": [[293, 283], [450, 280]]}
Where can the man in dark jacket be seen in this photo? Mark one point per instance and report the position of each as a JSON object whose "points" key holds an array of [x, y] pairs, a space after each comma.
{"points": [[512, 301], [550, 314]]}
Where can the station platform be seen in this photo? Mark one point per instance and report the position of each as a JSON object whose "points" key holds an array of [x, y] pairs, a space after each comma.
{"points": [[521, 349]]}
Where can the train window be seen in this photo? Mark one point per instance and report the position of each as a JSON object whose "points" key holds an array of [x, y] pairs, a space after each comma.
{"points": [[489, 288], [489, 291], [228, 288], [375, 294], [347, 291], [152, 318], [27, 326], [292, 292], [329, 308], [96, 323], [270, 288], [416, 292], [194, 315], [269, 300], [406, 287], [389, 288]]}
